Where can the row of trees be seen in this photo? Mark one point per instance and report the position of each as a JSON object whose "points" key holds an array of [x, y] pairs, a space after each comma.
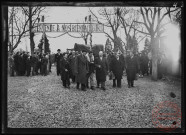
{"points": [[22, 20], [137, 24]]}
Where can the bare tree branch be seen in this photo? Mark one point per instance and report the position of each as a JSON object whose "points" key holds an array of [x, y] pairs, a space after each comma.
{"points": [[145, 22]]}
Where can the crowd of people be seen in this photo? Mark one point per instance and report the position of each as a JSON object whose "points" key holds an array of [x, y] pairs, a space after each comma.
{"points": [[24, 64], [82, 67]]}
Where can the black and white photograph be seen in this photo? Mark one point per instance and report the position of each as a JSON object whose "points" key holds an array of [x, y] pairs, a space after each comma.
{"points": [[93, 65]]}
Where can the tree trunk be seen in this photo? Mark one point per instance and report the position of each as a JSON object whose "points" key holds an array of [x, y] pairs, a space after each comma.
{"points": [[115, 44], [85, 41], [30, 30], [32, 43], [154, 43]]}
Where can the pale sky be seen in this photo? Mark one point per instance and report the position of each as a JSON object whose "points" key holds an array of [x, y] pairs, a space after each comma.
{"points": [[68, 15], [64, 15]]}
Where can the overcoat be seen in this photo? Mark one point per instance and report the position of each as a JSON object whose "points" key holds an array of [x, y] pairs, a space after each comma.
{"points": [[72, 65], [131, 68], [16, 62], [57, 59], [25, 56], [21, 65], [28, 64], [117, 67], [103, 70], [81, 69], [64, 64]]}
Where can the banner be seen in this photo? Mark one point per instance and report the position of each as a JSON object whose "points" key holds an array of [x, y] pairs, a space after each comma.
{"points": [[70, 27]]}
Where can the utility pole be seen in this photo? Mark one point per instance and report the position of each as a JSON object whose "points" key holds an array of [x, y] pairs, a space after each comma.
{"points": [[11, 48], [90, 29], [42, 19], [90, 33], [30, 28]]}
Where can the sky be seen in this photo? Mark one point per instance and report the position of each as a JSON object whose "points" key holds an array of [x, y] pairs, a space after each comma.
{"points": [[66, 15], [69, 15]]}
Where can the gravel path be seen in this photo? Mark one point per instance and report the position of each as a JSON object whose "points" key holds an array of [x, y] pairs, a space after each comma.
{"points": [[42, 102]]}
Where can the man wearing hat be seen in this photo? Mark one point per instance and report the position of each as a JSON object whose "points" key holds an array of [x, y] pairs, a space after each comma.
{"points": [[101, 70], [131, 68], [58, 56], [81, 70], [90, 75]]}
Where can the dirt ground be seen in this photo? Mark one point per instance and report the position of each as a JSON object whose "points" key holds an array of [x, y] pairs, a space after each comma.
{"points": [[42, 102]]}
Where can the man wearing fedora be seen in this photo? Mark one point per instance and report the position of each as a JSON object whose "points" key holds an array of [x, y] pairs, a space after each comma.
{"points": [[58, 56], [131, 68], [81, 70]]}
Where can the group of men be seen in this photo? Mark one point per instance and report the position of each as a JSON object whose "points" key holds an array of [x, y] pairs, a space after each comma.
{"points": [[82, 67], [24, 64]]}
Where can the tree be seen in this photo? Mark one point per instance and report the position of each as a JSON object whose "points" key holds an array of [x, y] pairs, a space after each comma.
{"points": [[43, 41], [132, 44], [147, 45], [33, 14], [17, 26], [19, 22], [108, 46], [111, 21], [153, 23]]}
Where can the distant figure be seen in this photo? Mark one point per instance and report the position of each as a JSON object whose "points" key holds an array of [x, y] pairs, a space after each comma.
{"points": [[44, 63], [11, 64], [21, 65], [131, 69], [65, 67], [16, 62], [50, 62], [58, 56], [28, 65], [34, 61], [24, 61], [101, 70]]}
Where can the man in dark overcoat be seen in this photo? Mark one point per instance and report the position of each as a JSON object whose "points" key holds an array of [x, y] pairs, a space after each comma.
{"points": [[64, 71], [101, 70], [11, 64], [21, 64], [28, 65], [117, 67], [16, 63], [44, 63], [24, 60], [50, 62], [58, 56], [81, 70], [72, 65], [131, 69], [145, 61], [34, 63]]}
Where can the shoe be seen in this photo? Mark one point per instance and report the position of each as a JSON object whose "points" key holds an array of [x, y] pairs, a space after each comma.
{"points": [[129, 86], [114, 86], [119, 86], [84, 89], [97, 87], [92, 87], [103, 88]]}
